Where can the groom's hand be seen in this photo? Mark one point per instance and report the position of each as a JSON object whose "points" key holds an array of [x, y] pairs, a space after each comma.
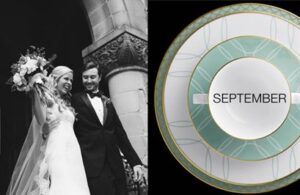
{"points": [[138, 173], [49, 126]]}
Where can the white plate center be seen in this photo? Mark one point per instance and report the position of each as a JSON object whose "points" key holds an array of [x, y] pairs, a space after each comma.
{"points": [[249, 98]]}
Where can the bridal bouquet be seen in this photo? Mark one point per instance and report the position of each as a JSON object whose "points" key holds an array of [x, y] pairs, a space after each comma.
{"points": [[28, 65]]}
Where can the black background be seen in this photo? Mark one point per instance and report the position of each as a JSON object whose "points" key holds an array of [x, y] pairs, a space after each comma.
{"points": [[166, 20]]}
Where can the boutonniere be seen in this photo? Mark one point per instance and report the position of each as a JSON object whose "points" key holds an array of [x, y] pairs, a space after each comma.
{"points": [[106, 100]]}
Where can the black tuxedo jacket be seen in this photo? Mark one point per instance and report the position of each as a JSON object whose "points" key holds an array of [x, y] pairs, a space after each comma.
{"points": [[100, 143]]}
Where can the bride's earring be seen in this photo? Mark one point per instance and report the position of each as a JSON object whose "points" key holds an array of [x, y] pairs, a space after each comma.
{"points": [[55, 92]]}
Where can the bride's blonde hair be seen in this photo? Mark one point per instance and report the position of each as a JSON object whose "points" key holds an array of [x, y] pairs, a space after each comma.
{"points": [[55, 75], [53, 78], [59, 71]]}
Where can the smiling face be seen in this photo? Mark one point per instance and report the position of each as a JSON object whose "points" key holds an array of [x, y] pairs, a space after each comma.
{"points": [[91, 79], [64, 84]]}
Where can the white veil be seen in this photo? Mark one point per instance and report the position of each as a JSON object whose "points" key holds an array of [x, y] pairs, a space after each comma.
{"points": [[29, 174], [26, 178], [23, 180]]}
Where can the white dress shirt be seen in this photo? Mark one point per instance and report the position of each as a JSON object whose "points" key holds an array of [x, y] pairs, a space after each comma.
{"points": [[98, 107]]}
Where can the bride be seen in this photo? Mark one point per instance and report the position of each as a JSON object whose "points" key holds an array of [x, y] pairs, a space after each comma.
{"points": [[53, 165]]}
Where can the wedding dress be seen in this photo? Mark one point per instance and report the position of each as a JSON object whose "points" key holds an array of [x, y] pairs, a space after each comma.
{"points": [[63, 156], [54, 166]]}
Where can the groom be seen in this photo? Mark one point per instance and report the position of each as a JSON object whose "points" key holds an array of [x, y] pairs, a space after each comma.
{"points": [[101, 137]]}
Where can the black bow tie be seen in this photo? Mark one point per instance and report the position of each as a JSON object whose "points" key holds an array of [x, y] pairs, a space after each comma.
{"points": [[97, 94]]}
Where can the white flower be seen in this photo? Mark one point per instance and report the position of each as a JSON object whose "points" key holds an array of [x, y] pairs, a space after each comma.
{"points": [[45, 72], [23, 71], [31, 65], [17, 79], [27, 58]]}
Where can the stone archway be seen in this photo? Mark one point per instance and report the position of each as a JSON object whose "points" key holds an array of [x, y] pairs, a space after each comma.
{"points": [[119, 34]]}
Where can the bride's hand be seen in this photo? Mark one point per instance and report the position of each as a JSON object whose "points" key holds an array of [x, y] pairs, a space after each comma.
{"points": [[37, 78]]}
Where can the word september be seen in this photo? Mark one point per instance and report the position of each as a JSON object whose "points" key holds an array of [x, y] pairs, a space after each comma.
{"points": [[249, 98]]}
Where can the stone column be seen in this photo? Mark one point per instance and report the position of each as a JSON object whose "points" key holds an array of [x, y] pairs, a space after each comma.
{"points": [[119, 31]]}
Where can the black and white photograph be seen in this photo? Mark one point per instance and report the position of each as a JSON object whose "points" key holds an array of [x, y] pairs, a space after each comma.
{"points": [[74, 97], [217, 111]]}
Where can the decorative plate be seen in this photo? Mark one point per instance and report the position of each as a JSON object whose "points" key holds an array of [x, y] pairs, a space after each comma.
{"points": [[171, 91], [248, 107]]}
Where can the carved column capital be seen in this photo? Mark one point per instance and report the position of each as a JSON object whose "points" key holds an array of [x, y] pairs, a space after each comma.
{"points": [[124, 52]]}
